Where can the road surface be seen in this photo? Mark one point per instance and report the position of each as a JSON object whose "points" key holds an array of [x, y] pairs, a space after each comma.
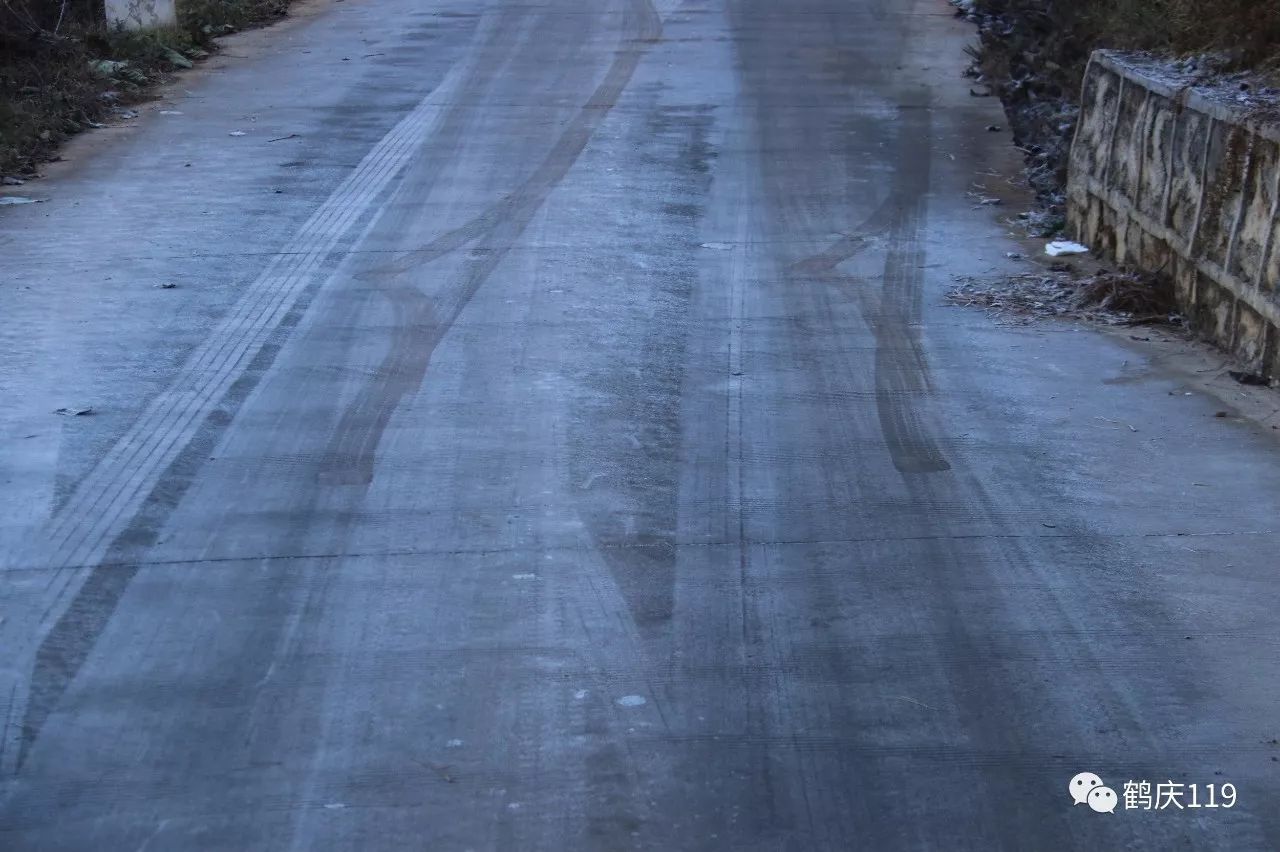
{"points": [[556, 439]]}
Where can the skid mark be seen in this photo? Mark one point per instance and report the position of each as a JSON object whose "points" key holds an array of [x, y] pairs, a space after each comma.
{"points": [[61, 626], [102, 506], [902, 368], [78, 603], [354, 447], [628, 435], [902, 377]]}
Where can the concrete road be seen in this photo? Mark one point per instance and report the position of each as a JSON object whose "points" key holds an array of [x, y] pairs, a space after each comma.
{"points": [[556, 439]]}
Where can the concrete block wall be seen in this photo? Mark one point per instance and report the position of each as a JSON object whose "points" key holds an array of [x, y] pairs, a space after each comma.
{"points": [[141, 14], [1172, 177]]}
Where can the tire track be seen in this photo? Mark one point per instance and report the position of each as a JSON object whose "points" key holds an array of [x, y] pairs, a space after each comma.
{"points": [[902, 367], [53, 625], [902, 372], [77, 604], [425, 321]]}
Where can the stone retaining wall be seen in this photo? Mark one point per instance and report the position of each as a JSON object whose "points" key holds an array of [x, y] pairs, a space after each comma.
{"points": [[1182, 179]]}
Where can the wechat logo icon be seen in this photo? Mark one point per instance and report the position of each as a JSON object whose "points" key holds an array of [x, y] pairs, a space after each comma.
{"points": [[1088, 789]]}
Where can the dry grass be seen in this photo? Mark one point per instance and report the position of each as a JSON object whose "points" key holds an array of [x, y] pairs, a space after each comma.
{"points": [[1114, 298], [1133, 294], [1247, 31]]}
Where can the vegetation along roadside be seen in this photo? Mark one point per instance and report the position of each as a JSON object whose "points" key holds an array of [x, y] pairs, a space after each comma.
{"points": [[63, 69]]}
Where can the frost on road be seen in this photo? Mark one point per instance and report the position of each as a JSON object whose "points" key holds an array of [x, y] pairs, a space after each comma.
{"points": [[545, 428]]}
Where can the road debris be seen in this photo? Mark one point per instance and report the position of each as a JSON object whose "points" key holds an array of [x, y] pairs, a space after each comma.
{"points": [[1108, 297], [1130, 426], [236, 133], [917, 703], [166, 285], [175, 58], [1041, 223], [75, 412], [1145, 298], [107, 67], [981, 200], [1253, 379], [1058, 248], [19, 199]]}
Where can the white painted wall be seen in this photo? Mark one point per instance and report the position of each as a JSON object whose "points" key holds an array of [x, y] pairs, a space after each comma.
{"points": [[140, 14]]}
